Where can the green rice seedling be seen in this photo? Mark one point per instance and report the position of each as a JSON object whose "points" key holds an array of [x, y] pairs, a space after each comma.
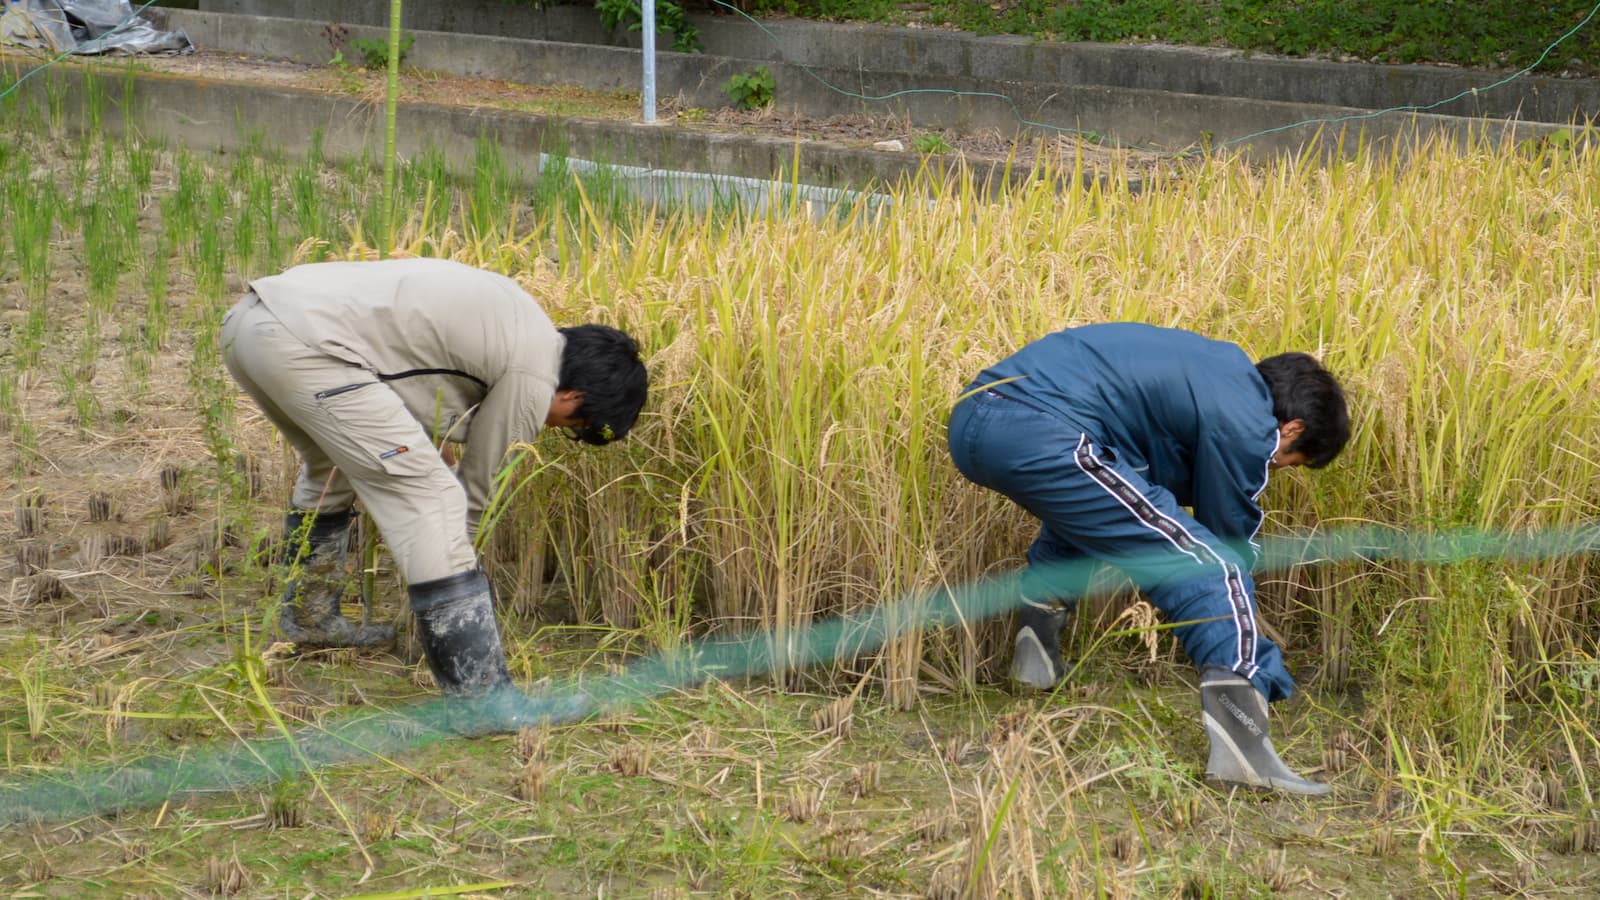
{"points": [[81, 168], [128, 104], [94, 100], [7, 150], [308, 202], [26, 441], [139, 156], [253, 141], [429, 171], [605, 190], [174, 229], [137, 364], [182, 211], [55, 94], [33, 211], [209, 262], [123, 204], [30, 339], [552, 191], [103, 255], [355, 199], [275, 247], [212, 389], [489, 198], [286, 808], [10, 401], [31, 669], [156, 279], [246, 222], [80, 396], [10, 100]]}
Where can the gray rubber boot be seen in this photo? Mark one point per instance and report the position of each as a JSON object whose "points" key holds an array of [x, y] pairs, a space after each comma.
{"points": [[309, 615], [455, 623], [1235, 716], [1036, 656]]}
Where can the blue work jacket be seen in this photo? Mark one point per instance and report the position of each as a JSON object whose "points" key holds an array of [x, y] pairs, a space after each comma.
{"points": [[1189, 413]]}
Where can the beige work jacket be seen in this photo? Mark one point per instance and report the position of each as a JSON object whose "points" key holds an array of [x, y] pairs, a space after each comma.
{"points": [[472, 355]]}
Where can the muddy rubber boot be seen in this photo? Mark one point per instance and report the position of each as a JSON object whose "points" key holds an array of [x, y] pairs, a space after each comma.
{"points": [[1036, 657], [455, 623], [1235, 716], [309, 615]]}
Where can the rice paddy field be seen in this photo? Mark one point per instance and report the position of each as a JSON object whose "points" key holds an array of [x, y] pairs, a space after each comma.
{"points": [[790, 468]]}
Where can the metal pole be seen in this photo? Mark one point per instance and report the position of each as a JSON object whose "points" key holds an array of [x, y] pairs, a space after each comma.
{"points": [[648, 14]]}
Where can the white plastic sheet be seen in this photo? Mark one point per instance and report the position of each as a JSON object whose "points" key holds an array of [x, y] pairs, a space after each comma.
{"points": [[85, 27]]}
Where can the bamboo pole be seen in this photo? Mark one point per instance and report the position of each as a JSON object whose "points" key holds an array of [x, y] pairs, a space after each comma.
{"points": [[392, 103]]}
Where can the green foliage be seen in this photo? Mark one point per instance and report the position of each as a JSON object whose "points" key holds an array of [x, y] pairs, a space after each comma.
{"points": [[670, 18], [752, 89], [375, 51], [931, 143], [350, 80], [1500, 34]]}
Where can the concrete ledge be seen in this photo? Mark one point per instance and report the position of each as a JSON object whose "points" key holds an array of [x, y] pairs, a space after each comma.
{"points": [[1140, 117], [658, 163], [938, 59]]}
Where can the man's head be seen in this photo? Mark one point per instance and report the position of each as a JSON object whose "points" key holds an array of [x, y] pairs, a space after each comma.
{"points": [[603, 385], [1313, 421]]}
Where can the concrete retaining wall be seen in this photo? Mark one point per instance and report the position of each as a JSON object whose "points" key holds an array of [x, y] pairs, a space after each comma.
{"points": [[657, 163], [932, 58], [504, 18], [1140, 117]]}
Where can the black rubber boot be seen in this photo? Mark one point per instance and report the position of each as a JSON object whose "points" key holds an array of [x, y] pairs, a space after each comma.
{"points": [[309, 615], [1036, 657], [455, 622], [1235, 717]]}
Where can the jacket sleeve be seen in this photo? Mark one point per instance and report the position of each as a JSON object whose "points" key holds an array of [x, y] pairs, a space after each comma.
{"points": [[1230, 472], [512, 412]]}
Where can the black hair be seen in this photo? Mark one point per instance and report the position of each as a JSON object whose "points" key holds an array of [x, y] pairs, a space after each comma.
{"points": [[1302, 389], [604, 364]]}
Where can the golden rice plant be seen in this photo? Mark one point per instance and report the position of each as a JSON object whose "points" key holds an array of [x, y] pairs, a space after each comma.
{"points": [[803, 370]]}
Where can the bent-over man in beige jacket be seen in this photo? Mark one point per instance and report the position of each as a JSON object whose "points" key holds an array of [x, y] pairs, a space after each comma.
{"points": [[366, 367]]}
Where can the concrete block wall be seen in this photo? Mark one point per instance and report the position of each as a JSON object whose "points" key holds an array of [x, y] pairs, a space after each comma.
{"points": [[932, 58]]}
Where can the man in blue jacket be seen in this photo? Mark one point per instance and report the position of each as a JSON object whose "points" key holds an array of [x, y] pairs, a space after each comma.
{"points": [[1106, 433]]}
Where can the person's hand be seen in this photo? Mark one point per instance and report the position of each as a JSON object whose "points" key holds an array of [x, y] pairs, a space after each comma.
{"points": [[447, 452]]}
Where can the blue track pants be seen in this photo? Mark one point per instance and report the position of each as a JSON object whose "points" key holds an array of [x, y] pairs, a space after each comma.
{"points": [[1094, 507]]}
